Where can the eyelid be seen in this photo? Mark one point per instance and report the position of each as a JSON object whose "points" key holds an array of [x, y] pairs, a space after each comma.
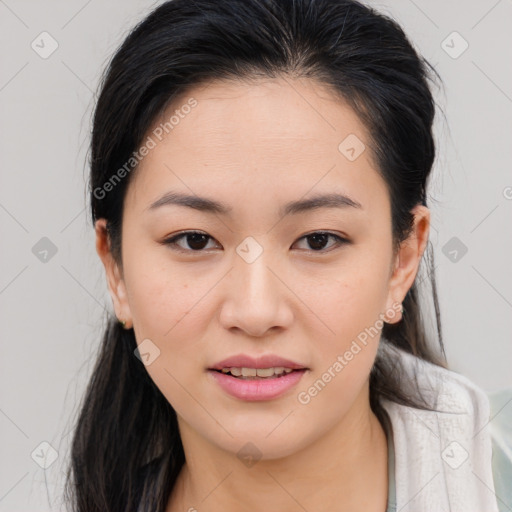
{"points": [[340, 241], [172, 241]]}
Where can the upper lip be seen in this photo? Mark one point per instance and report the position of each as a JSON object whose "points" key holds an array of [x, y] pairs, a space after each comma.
{"points": [[266, 361]]}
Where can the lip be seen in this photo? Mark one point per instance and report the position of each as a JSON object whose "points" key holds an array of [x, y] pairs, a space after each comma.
{"points": [[266, 361], [258, 389]]}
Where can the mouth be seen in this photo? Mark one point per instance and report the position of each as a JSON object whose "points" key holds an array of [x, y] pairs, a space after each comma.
{"points": [[264, 377], [257, 384], [242, 373]]}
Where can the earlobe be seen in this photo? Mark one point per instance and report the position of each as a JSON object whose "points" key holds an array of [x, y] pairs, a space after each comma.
{"points": [[115, 281], [408, 258]]}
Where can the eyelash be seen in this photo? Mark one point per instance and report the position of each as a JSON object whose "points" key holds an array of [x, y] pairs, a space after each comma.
{"points": [[172, 241]]}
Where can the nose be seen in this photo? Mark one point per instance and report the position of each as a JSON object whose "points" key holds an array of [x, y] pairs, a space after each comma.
{"points": [[257, 298]]}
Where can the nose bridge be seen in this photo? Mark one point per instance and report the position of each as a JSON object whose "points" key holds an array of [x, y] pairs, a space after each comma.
{"points": [[255, 295], [251, 266]]}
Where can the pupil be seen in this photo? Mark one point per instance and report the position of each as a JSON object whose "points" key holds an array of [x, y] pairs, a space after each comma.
{"points": [[316, 237], [195, 237]]}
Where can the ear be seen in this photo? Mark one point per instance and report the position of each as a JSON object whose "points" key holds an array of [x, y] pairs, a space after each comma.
{"points": [[407, 260], [115, 281]]}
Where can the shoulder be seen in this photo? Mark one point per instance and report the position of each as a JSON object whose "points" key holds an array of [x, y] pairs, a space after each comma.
{"points": [[500, 427], [442, 390], [465, 433]]}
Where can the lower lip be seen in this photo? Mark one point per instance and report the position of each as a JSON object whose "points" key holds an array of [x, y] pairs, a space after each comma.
{"points": [[258, 389]]}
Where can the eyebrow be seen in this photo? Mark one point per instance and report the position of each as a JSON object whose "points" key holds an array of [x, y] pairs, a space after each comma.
{"points": [[207, 205]]}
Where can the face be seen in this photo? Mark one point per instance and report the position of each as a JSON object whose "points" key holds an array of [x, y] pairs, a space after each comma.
{"points": [[267, 271]]}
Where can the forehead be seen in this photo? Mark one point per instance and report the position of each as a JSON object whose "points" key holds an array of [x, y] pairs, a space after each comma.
{"points": [[265, 112], [259, 138]]}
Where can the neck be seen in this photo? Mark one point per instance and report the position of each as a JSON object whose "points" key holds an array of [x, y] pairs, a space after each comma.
{"points": [[345, 469]]}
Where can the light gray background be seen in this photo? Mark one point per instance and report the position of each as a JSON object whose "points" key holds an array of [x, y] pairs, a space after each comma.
{"points": [[51, 312]]}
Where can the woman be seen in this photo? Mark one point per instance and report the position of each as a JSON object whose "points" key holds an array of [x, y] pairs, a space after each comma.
{"points": [[258, 185]]}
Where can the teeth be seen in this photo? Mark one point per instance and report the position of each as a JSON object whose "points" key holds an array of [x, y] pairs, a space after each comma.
{"points": [[265, 372], [256, 372]]}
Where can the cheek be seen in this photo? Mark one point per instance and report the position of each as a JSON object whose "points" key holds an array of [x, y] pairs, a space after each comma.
{"points": [[159, 294], [338, 387], [352, 308], [167, 310], [352, 296], [351, 304]]}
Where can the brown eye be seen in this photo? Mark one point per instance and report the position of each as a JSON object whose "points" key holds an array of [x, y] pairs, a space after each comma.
{"points": [[318, 240], [195, 240]]}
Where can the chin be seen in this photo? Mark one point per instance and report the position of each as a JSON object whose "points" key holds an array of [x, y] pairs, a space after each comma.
{"points": [[261, 442]]}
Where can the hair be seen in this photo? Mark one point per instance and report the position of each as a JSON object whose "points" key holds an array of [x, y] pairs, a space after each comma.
{"points": [[125, 425]]}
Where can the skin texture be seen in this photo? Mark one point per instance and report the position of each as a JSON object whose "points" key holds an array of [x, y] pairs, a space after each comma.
{"points": [[256, 146]]}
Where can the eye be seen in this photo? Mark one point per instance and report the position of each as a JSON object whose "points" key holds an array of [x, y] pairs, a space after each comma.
{"points": [[197, 241], [318, 239]]}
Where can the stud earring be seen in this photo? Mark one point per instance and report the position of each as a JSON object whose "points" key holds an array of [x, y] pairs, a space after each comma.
{"points": [[123, 323]]}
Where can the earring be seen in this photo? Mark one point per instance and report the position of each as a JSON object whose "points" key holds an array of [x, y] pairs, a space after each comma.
{"points": [[123, 323], [402, 312]]}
